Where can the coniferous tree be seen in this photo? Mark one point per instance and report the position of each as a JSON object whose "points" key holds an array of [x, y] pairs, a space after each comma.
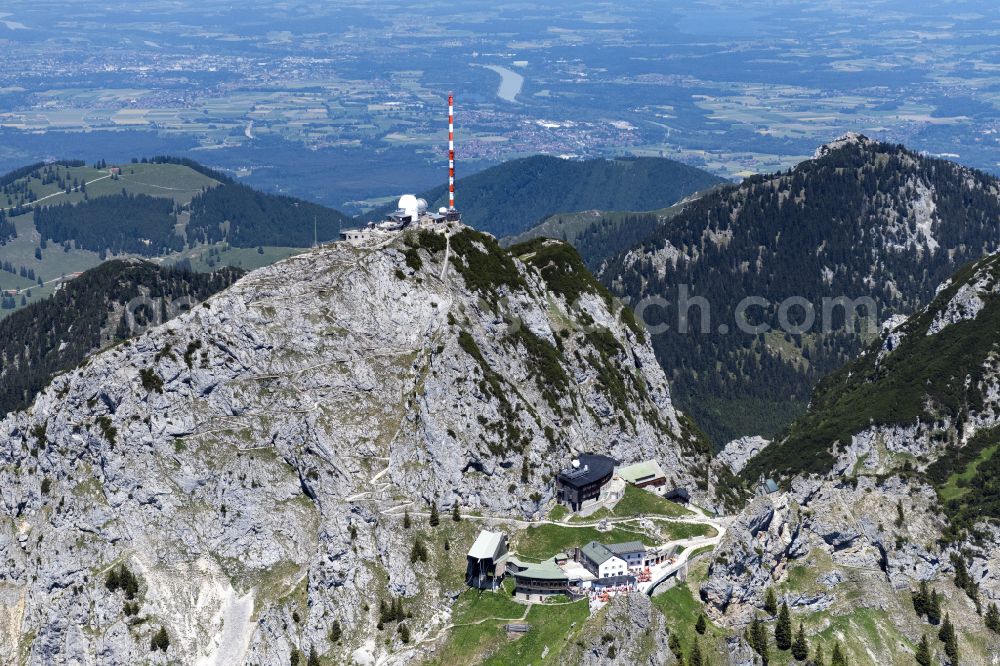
{"points": [[921, 597], [434, 519], [700, 625], [406, 519], [946, 628], [783, 629], [934, 608], [160, 640], [923, 654], [963, 580], [674, 644], [949, 637], [838, 658], [336, 632], [961, 571], [770, 602], [992, 618], [695, 658], [820, 658], [112, 582], [757, 638], [313, 657], [455, 515], [800, 648], [419, 552], [951, 648]]}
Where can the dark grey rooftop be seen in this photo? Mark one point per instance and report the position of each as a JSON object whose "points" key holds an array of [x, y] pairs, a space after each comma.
{"points": [[592, 468]]}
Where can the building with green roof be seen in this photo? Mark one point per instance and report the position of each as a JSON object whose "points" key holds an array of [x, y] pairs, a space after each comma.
{"points": [[536, 581], [643, 474]]}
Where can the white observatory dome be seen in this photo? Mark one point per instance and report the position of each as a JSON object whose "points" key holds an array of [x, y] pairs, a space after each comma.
{"points": [[421, 205], [443, 210], [409, 205]]}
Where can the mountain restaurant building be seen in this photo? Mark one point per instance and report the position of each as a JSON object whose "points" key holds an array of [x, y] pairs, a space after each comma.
{"points": [[584, 481]]}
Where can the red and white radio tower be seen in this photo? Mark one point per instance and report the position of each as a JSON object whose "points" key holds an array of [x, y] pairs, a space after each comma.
{"points": [[451, 152]]}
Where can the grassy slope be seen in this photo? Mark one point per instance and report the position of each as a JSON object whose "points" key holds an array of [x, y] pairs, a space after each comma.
{"points": [[543, 541], [479, 637], [552, 627], [637, 501], [681, 607], [888, 627], [862, 631], [957, 483]]}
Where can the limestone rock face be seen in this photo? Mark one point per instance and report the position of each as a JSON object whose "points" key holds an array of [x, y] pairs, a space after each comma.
{"points": [[843, 526], [249, 462], [737, 453], [628, 631], [750, 557]]}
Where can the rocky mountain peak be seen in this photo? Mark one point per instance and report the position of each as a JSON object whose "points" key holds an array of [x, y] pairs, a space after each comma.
{"points": [[847, 139], [249, 459]]}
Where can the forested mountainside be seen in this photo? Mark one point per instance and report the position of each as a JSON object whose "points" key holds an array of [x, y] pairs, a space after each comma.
{"points": [[246, 479], [119, 224], [512, 197], [861, 219], [245, 217], [15, 193], [888, 521], [600, 235], [153, 226], [88, 313], [925, 397]]}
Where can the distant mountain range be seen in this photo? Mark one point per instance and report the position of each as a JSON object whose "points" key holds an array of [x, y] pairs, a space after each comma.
{"points": [[860, 219], [513, 197]]}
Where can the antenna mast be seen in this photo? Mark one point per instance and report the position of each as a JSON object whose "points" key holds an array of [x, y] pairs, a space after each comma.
{"points": [[451, 151]]}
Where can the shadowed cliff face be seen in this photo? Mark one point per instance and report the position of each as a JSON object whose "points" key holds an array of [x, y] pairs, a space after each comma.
{"points": [[249, 462]]}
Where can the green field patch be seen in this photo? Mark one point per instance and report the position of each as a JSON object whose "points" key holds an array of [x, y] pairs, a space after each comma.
{"points": [[558, 512], [861, 628], [552, 627], [957, 483], [639, 502]]}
